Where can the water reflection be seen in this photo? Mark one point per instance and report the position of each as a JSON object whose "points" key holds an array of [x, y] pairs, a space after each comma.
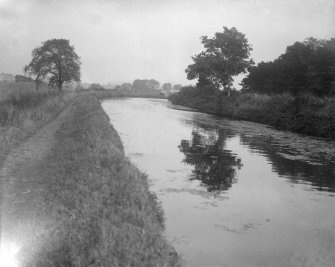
{"points": [[264, 218], [214, 165], [292, 165]]}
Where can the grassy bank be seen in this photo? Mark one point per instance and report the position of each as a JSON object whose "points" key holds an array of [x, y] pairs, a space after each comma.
{"points": [[22, 112], [98, 205], [303, 114], [7, 89]]}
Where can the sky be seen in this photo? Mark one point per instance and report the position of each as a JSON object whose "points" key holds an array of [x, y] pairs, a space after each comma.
{"points": [[122, 40]]}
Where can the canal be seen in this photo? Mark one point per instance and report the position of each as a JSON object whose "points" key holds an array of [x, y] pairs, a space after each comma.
{"points": [[234, 193]]}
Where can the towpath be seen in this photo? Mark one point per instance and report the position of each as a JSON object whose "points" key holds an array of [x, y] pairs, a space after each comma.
{"points": [[21, 190]]}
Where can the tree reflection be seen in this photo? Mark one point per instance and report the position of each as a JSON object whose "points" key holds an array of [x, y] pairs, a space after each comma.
{"points": [[295, 169], [214, 165]]}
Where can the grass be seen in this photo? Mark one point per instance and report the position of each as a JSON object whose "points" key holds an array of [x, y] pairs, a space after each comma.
{"points": [[22, 112], [100, 209], [305, 114]]}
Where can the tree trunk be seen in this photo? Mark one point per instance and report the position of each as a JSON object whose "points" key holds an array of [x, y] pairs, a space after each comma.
{"points": [[60, 85]]}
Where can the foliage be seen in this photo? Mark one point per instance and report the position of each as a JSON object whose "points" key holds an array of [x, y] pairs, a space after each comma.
{"points": [[96, 86], [22, 78], [177, 87], [55, 61], [302, 113], [305, 67], [167, 87], [226, 55], [204, 98], [23, 112], [127, 86], [8, 89], [145, 85]]}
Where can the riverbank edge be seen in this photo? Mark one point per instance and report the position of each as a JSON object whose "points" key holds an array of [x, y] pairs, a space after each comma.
{"points": [[280, 111], [101, 210]]}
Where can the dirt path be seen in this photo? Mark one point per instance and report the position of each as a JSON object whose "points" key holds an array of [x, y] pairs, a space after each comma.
{"points": [[20, 188]]}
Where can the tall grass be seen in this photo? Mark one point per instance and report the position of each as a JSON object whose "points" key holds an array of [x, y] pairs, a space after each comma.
{"points": [[100, 209], [23, 112], [7, 89], [305, 114]]}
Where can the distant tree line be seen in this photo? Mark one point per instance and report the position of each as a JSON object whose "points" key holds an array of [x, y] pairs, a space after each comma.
{"points": [[147, 85], [22, 78], [305, 67], [96, 86]]}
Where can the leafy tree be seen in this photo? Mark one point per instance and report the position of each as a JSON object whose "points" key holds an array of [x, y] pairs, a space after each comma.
{"points": [[127, 86], [96, 86], [177, 87], [56, 61], [167, 87], [226, 55], [143, 85], [307, 67]]}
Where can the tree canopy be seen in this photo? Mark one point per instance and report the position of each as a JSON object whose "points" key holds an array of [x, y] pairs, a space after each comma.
{"points": [[96, 86], [167, 87], [141, 85], [226, 55], [55, 61], [127, 86], [307, 66]]}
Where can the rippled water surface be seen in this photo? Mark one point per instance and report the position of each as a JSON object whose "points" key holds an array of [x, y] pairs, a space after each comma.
{"points": [[234, 193]]}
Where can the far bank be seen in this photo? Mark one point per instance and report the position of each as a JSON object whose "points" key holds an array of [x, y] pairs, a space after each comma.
{"points": [[305, 114]]}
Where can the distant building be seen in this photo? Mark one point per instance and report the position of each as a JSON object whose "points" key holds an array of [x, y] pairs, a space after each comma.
{"points": [[7, 78]]}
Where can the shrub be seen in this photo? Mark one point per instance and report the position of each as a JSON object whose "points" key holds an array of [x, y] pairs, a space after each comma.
{"points": [[304, 113]]}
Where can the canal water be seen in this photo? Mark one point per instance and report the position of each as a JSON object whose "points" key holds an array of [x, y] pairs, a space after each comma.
{"points": [[234, 193]]}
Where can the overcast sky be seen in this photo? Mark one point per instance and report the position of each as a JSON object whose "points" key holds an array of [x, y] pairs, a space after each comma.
{"points": [[120, 41]]}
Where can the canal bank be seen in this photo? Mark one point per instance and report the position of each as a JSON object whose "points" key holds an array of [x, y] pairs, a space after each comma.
{"points": [[83, 203], [305, 114]]}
